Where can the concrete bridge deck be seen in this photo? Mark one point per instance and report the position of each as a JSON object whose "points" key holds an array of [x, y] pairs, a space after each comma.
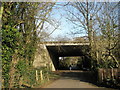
{"points": [[64, 43]]}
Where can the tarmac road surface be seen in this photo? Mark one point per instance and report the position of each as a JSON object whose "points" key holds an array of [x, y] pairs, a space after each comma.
{"points": [[74, 79]]}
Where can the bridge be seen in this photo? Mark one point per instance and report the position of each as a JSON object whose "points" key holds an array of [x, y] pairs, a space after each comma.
{"points": [[48, 53], [64, 43]]}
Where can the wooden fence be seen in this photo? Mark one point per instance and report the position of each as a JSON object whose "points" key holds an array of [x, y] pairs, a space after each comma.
{"points": [[105, 75]]}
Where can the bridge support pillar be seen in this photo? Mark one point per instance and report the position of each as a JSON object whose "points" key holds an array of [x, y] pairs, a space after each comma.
{"points": [[43, 59]]}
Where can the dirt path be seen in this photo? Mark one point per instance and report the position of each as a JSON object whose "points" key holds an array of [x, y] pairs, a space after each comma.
{"points": [[74, 79]]}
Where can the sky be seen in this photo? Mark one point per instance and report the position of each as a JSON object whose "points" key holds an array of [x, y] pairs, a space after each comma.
{"points": [[65, 28]]}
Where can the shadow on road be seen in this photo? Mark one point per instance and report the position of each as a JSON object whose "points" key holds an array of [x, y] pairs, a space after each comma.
{"points": [[84, 76]]}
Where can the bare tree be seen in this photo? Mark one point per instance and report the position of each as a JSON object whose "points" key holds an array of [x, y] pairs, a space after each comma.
{"points": [[98, 20], [83, 17], [108, 32]]}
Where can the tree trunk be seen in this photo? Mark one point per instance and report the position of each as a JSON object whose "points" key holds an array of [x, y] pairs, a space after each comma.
{"points": [[1, 12]]}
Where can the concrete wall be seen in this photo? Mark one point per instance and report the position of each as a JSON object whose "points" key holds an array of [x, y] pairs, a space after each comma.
{"points": [[42, 58]]}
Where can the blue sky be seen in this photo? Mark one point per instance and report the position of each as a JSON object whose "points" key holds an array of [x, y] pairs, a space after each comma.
{"points": [[65, 27]]}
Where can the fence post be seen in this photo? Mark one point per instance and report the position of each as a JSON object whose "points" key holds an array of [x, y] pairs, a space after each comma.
{"points": [[41, 75], [100, 75], [47, 76], [112, 74], [36, 75]]}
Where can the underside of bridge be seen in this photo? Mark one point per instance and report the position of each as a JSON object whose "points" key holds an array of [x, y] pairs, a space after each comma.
{"points": [[66, 51]]}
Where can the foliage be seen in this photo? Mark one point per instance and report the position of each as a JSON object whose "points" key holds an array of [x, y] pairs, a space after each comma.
{"points": [[22, 23], [19, 40], [65, 62], [10, 36]]}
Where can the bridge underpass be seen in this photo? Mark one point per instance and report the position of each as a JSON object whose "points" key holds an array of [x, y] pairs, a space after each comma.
{"points": [[48, 54], [56, 51]]}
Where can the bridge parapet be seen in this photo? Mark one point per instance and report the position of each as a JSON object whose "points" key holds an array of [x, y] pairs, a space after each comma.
{"points": [[63, 43]]}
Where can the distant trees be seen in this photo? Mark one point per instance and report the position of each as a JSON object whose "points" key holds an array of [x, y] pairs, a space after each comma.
{"points": [[61, 38], [65, 62], [81, 39]]}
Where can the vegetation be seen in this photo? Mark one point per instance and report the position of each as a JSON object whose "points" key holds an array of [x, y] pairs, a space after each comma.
{"points": [[66, 62], [100, 23], [19, 40], [23, 25]]}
